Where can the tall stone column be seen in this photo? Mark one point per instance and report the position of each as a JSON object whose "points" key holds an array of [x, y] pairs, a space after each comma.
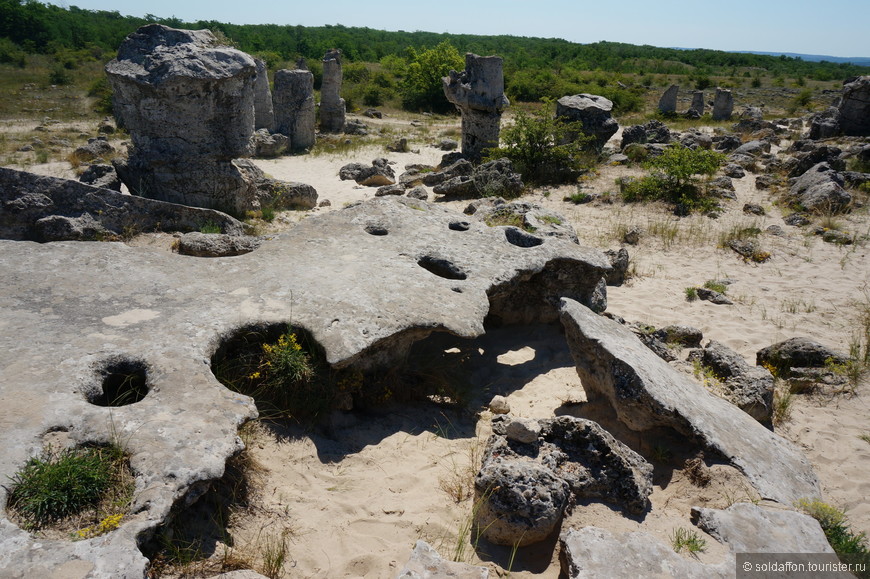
{"points": [[264, 115], [332, 113], [723, 105], [188, 103], [478, 93], [294, 107], [697, 108], [668, 102]]}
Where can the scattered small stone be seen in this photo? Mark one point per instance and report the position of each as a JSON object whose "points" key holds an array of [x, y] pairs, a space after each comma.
{"points": [[499, 405], [713, 297], [418, 192], [753, 209], [797, 219], [632, 236]]}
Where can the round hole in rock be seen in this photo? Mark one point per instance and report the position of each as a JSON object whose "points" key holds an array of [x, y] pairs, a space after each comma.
{"points": [[521, 238], [123, 381], [459, 225], [441, 267], [376, 230]]}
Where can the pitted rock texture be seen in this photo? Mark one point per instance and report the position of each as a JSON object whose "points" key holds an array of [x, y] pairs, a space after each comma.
{"points": [[533, 468], [478, 93], [365, 282], [189, 106], [294, 107], [39, 208], [646, 392]]}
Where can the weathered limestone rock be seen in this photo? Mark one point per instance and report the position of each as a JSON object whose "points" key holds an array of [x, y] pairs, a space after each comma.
{"points": [[723, 105], [531, 468], [825, 124], [266, 144], [855, 107], [797, 353], [411, 273], [332, 111], [264, 114], [426, 563], [696, 109], [750, 388], [527, 216], [820, 189], [101, 176], [294, 107], [478, 93], [592, 552], [378, 174], [653, 131], [593, 112], [96, 148], [216, 244], [39, 208], [668, 101], [646, 392], [189, 106]]}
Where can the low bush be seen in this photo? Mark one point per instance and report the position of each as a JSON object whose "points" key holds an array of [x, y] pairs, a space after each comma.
{"points": [[836, 527]]}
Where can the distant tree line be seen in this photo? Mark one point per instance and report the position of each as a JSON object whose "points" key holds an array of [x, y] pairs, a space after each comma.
{"points": [[535, 68]]}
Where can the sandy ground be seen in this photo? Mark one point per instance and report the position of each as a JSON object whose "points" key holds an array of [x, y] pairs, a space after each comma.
{"points": [[351, 499]]}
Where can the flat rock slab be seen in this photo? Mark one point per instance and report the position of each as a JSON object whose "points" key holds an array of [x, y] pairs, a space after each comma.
{"points": [[646, 392], [426, 563], [366, 282]]}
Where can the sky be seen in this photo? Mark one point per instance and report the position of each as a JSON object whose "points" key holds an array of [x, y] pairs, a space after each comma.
{"points": [[831, 27]]}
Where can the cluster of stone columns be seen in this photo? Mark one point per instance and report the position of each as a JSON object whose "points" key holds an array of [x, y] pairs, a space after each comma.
{"points": [[723, 103]]}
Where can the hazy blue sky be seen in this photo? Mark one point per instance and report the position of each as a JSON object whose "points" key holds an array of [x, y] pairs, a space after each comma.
{"points": [[830, 27]]}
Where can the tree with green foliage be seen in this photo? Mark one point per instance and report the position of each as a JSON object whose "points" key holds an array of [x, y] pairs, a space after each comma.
{"points": [[676, 179], [539, 147], [422, 87]]}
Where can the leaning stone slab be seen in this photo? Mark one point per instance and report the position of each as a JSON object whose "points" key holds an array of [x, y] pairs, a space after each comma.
{"points": [[426, 563], [40, 208], [646, 392]]}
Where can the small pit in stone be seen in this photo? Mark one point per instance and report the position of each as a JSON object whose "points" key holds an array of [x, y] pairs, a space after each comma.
{"points": [[376, 230], [520, 238], [123, 381], [441, 267]]}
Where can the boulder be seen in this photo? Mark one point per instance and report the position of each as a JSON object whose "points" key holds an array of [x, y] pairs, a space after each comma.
{"points": [[528, 217], [619, 263], [744, 528], [102, 177], [97, 148], [753, 148], [264, 113], [397, 189], [723, 105], [497, 178], [855, 107], [266, 144], [594, 114], [750, 388], [713, 297], [418, 193], [447, 145], [646, 392], [43, 208], [426, 563], [753, 209], [734, 171], [478, 93], [652, 132], [686, 336], [820, 189], [805, 157], [668, 100], [532, 468], [188, 104], [825, 124], [797, 353], [696, 109], [332, 109], [198, 244], [294, 107], [377, 175], [356, 127], [373, 114]]}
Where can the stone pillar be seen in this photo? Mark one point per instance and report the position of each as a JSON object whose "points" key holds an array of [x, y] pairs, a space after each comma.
{"points": [[855, 106], [478, 93], [294, 107], [331, 104], [697, 108], [264, 115], [668, 102], [723, 105], [189, 106]]}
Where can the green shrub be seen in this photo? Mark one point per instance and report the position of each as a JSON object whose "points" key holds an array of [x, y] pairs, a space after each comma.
{"points": [[676, 180], [60, 484], [691, 294], [103, 92], [59, 75], [422, 87], [538, 145], [716, 286]]}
